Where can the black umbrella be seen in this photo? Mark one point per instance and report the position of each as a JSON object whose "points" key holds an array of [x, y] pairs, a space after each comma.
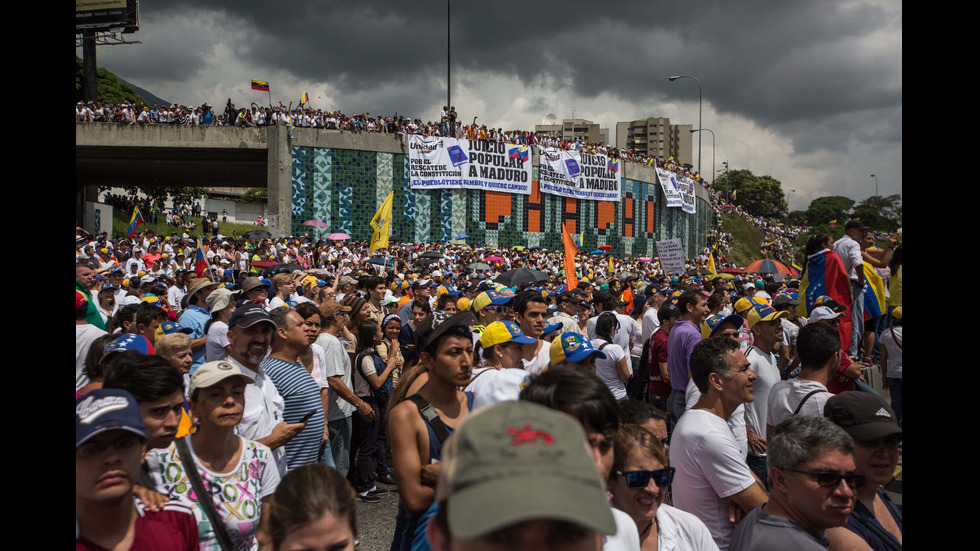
{"points": [[513, 278], [281, 269], [257, 234], [381, 261], [432, 254]]}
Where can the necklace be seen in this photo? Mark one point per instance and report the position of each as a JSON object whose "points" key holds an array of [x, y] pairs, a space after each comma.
{"points": [[647, 529]]}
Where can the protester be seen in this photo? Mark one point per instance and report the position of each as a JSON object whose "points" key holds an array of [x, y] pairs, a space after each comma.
{"points": [[312, 508]]}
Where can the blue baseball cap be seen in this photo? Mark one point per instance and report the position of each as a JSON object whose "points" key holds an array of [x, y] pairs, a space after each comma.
{"points": [[572, 347], [106, 409]]}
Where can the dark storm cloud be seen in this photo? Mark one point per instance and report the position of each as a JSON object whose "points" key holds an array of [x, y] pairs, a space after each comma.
{"points": [[783, 64]]}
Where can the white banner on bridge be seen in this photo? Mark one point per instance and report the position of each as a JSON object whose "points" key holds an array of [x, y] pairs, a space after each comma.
{"points": [[448, 163], [686, 187], [579, 175], [668, 182]]}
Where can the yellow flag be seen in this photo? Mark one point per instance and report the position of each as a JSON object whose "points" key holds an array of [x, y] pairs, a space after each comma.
{"points": [[382, 225], [611, 268], [711, 261]]}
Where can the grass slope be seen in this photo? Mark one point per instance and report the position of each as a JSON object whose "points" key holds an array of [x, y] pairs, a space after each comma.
{"points": [[120, 225], [747, 238]]}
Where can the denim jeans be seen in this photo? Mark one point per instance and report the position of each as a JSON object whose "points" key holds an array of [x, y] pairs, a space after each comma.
{"points": [[759, 466], [895, 389], [340, 443]]}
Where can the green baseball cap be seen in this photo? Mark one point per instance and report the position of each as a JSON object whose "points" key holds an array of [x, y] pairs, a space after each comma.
{"points": [[520, 461]]}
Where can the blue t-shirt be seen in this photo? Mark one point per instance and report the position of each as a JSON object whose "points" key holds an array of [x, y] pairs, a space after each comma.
{"points": [[301, 395]]}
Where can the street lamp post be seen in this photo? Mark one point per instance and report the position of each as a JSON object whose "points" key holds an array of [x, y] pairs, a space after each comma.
{"points": [[712, 151], [876, 184], [672, 79]]}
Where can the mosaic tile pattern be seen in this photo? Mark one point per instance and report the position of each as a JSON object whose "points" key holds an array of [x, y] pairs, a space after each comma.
{"points": [[345, 187]]}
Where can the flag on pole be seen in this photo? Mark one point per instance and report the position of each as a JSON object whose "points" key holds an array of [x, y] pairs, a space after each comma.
{"points": [[874, 293], [136, 220], [711, 260], [260, 85], [611, 267], [382, 225], [305, 98], [200, 262], [571, 249], [825, 276]]}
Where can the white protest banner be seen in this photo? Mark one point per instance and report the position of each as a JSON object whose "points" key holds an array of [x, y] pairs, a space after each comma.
{"points": [[686, 187], [579, 175], [671, 254], [495, 166], [668, 181], [434, 162]]}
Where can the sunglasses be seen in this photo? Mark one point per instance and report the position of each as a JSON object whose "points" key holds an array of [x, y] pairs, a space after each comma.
{"points": [[832, 480], [638, 480]]}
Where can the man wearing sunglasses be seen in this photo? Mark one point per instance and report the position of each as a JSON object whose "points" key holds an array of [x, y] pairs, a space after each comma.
{"points": [[813, 488]]}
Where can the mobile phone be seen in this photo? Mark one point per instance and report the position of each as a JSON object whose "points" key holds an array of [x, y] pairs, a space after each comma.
{"points": [[308, 416]]}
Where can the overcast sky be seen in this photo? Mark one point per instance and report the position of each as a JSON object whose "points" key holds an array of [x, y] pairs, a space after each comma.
{"points": [[807, 92]]}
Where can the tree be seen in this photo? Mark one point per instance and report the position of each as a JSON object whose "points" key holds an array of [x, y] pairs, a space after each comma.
{"points": [[797, 218], [824, 209], [758, 195], [257, 195], [161, 193], [109, 88], [881, 213]]}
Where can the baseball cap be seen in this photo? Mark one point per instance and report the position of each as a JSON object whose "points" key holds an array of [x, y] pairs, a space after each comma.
{"points": [[219, 299], [551, 327], [572, 347], [745, 303], [897, 313], [249, 315], [106, 409], [81, 301], [331, 307], [784, 300], [500, 332], [129, 341], [489, 298], [821, 313], [169, 327], [714, 321], [520, 449], [824, 300], [763, 313], [437, 323], [865, 416], [212, 373]]}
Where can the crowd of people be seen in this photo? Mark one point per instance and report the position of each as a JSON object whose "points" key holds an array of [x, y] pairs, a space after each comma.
{"points": [[305, 116], [697, 412]]}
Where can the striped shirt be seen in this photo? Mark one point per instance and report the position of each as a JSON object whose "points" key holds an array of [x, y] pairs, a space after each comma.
{"points": [[301, 395]]}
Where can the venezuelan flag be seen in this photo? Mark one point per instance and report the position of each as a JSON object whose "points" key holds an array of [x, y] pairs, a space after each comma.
{"points": [[874, 293], [524, 152], [612, 165], [825, 275], [514, 152], [200, 263], [305, 98], [260, 85], [136, 220]]}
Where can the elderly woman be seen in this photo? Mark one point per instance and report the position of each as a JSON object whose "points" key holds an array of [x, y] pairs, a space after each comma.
{"points": [[222, 461], [638, 482]]}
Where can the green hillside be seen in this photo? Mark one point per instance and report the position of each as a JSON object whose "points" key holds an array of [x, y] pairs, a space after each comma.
{"points": [[747, 239]]}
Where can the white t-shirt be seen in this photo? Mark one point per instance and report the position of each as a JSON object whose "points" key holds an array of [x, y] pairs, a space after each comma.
{"points": [[709, 470], [492, 386], [626, 537], [605, 369], [765, 368], [680, 531], [217, 340], [540, 362], [785, 397], [892, 344], [736, 421], [336, 364], [84, 335]]}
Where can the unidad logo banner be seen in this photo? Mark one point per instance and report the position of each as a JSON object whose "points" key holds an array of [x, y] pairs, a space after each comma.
{"points": [[441, 163], [668, 181], [686, 188], [434, 162], [579, 175]]}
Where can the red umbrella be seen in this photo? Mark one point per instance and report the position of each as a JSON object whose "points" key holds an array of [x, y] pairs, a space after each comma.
{"points": [[494, 259], [733, 271], [315, 223], [604, 247], [767, 266], [264, 263]]}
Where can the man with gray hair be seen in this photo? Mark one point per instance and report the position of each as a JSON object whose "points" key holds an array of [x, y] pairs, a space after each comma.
{"points": [[813, 487]]}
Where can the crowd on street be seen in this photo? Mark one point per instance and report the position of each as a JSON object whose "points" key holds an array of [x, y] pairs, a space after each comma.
{"points": [[234, 393]]}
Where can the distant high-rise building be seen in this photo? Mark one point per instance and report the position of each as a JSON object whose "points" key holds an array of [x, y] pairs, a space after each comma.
{"points": [[657, 137], [572, 129]]}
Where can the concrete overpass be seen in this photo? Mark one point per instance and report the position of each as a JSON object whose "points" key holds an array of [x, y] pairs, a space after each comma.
{"points": [[112, 154]]}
